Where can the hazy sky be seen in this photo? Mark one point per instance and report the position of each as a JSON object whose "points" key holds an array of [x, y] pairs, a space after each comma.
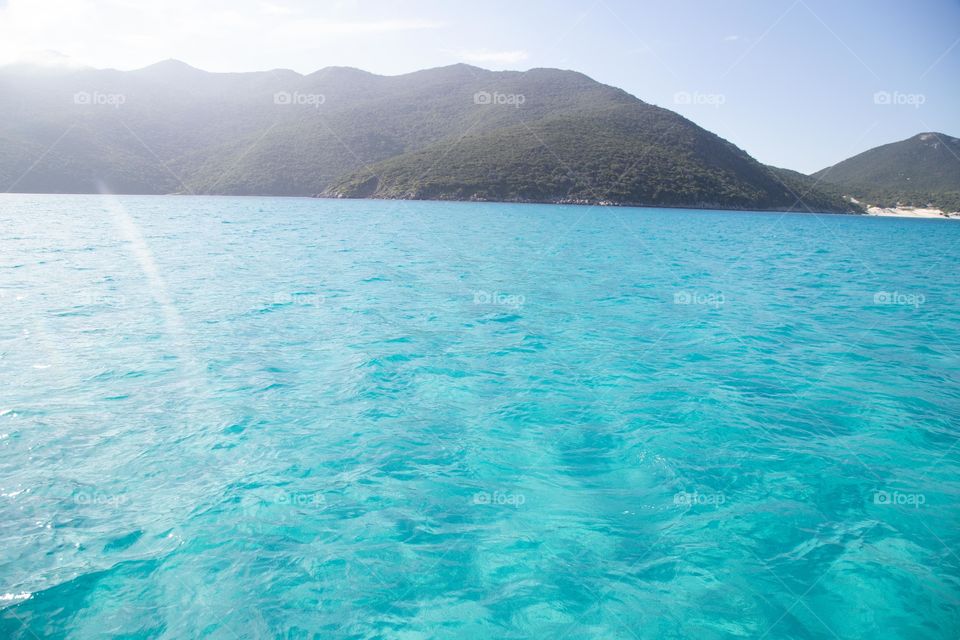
{"points": [[791, 81]]}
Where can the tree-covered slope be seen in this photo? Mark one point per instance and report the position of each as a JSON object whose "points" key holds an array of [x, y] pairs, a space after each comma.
{"points": [[630, 153], [918, 171], [173, 128], [451, 132]]}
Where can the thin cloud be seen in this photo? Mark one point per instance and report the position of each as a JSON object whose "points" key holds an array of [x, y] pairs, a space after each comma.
{"points": [[270, 9], [353, 28], [497, 57], [731, 38], [47, 58]]}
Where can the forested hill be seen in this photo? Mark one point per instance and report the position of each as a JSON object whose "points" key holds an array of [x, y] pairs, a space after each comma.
{"points": [[456, 132], [919, 171]]}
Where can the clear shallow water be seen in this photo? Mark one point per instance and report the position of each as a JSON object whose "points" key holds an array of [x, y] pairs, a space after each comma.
{"points": [[242, 417]]}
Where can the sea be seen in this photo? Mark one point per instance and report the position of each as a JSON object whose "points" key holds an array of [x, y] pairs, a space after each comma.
{"points": [[243, 417]]}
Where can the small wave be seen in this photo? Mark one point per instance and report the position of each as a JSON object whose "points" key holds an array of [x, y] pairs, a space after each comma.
{"points": [[14, 597]]}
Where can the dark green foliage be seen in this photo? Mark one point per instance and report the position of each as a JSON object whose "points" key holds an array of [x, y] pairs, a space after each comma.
{"points": [[815, 194], [623, 154], [920, 171], [554, 136]]}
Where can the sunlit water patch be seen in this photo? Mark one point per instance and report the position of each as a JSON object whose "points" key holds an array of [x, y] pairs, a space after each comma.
{"points": [[243, 417]]}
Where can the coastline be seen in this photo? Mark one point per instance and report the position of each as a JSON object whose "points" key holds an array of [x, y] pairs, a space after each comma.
{"points": [[871, 212], [597, 203], [911, 212]]}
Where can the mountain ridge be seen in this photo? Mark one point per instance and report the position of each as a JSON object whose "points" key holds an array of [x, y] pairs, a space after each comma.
{"points": [[537, 135], [920, 171]]}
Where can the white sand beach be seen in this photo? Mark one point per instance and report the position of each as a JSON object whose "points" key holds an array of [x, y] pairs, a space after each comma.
{"points": [[911, 212]]}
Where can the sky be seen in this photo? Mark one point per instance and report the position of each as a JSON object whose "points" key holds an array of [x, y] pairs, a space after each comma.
{"points": [[800, 84]]}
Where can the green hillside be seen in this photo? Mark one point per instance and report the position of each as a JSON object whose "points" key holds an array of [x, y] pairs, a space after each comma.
{"points": [[456, 132], [919, 171], [624, 154]]}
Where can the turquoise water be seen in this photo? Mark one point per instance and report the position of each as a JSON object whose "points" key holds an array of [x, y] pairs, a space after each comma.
{"points": [[294, 418]]}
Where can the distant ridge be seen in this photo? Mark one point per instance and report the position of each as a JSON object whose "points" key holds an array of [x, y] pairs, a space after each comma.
{"points": [[455, 132], [919, 171]]}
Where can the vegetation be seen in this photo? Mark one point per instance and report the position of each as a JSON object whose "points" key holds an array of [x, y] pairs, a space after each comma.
{"points": [[922, 171], [622, 154], [456, 132]]}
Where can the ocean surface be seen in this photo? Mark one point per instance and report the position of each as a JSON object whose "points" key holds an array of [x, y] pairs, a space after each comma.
{"points": [[295, 418]]}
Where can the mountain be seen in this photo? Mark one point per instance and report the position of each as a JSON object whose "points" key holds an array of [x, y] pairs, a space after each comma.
{"points": [[456, 132], [919, 171], [624, 154]]}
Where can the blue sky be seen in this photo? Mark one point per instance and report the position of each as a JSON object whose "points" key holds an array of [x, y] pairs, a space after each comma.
{"points": [[791, 81]]}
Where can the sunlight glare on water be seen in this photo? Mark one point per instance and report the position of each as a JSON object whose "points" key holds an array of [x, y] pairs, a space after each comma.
{"points": [[269, 417]]}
